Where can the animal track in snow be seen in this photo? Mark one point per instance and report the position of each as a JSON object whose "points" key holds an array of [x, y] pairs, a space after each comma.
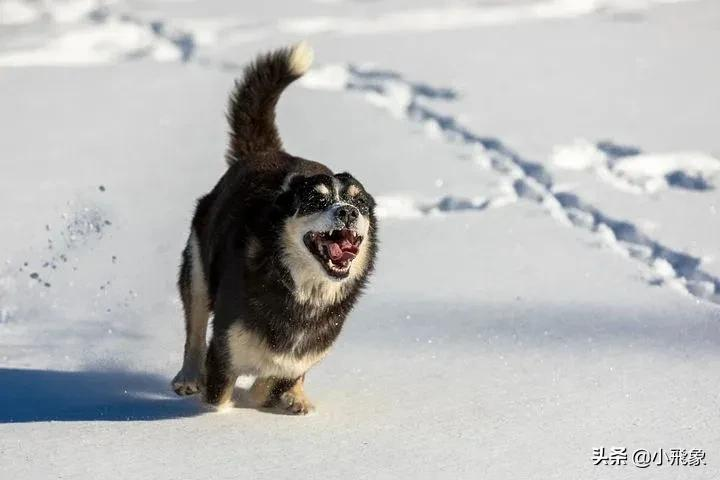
{"points": [[629, 169], [406, 206]]}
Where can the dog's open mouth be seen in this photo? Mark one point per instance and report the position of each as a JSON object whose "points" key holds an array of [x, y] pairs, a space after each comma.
{"points": [[335, 250]]}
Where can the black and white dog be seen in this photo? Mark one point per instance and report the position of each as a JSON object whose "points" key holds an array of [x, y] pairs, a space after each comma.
{"points": [[279, 251]]}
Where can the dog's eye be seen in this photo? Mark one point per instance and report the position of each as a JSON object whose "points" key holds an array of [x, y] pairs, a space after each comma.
{"points": [[322, 189]]}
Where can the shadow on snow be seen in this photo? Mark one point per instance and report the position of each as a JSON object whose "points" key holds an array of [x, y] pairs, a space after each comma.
{"points": [[47, 395]]}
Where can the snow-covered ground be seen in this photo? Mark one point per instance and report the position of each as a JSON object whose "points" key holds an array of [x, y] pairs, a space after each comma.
{"points": [[548, 173]]}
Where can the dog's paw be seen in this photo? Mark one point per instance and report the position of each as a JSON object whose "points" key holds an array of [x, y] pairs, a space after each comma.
{"points": [[187, 382], [295, 404]]}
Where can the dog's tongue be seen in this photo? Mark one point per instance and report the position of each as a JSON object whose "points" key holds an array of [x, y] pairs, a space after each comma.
{"points": [[334, 251], [337, 254]]}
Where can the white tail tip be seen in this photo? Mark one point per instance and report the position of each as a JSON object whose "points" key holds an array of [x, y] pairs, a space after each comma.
{"points": [[301, 58]]}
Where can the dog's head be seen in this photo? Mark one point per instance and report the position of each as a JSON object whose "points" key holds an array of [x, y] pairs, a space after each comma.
{"points": [[328, 229]]}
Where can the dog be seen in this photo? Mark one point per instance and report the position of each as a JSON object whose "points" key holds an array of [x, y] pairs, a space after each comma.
{"points": [[278, 252]]}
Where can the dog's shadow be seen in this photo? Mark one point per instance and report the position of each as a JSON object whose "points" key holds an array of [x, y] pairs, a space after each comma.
{"points": [[51, 395], [48, 395]]}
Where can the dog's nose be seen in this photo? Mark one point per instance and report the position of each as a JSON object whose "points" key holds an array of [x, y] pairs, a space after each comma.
{"points": [[347, 214]]}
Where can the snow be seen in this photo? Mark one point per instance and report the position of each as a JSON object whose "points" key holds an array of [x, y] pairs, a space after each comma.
{"points": [[457, 17], [15, 12], [536, 296]]}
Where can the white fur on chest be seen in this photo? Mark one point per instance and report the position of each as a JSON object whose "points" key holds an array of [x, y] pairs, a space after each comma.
{"points": [[250, 355]]}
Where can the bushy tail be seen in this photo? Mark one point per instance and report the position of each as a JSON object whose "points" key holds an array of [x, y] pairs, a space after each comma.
{"points": [[251, 113]]}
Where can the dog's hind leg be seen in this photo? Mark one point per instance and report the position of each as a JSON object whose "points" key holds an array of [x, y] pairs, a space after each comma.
{"points": [[285, 394], [194, 294]]}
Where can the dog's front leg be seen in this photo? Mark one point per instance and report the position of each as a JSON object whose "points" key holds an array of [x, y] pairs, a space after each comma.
{"points": [[220, 376]]}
